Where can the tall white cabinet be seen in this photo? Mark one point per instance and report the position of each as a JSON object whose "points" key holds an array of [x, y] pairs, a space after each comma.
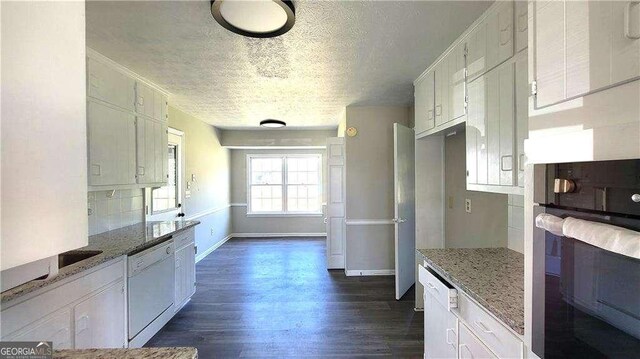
{"points": [[185, 265], [128, 128], [44, 134]]}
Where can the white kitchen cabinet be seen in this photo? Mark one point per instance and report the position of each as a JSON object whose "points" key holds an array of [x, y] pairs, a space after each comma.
{"points": [[151, 151], [583, 47], [457, 81], [109, 85], [185, 273], [55, 327], [440, 330], [100, 320], [441, 101], [150, 102], [491, 128], [471, 347], [521, 24], [112, 145], [522, 113], [492, 41], [424, 103]]}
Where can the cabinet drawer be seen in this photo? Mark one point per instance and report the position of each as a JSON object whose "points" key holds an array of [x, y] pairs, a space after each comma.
{"points": [[471, 347], [184, 238], [442, 291], [490, 330]]}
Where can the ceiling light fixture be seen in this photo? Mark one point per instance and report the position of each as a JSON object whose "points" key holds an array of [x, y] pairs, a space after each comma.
{"points": [[271, 123], [254, 18]]}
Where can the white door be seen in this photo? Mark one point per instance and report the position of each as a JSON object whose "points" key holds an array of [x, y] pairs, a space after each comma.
{"points": [[404, 199], [165, 203], [336, 197]]}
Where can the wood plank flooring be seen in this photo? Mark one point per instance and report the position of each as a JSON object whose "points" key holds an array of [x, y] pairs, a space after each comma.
{"points": [[273, 297]]}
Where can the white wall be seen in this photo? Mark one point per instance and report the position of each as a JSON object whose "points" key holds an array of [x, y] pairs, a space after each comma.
{"points": [[245, 225], [515, 225], [369, 177]]}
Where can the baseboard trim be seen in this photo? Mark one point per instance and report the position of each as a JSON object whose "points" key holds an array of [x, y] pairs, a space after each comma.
{"points": [[202, 255], [372, 272], [271, 235]]}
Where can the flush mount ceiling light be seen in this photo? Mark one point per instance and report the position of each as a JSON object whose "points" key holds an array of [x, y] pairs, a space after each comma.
{"points": [[254, 18], [271, 123]]}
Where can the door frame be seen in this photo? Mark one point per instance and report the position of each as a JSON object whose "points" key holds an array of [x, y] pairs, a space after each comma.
{"points": [[173, 213]]}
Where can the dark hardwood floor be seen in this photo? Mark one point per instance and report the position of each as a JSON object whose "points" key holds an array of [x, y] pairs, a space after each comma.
{"points": [[275, 298]]}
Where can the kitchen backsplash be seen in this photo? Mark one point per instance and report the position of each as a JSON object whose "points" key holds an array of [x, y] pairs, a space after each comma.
{"points": [[515, 225], [108, 212]]}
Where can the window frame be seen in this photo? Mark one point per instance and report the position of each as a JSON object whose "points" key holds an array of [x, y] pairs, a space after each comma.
{"points": [[285, 183]]}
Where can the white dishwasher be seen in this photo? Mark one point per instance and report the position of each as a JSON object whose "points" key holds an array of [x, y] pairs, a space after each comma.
{"points": [[151, 285]]}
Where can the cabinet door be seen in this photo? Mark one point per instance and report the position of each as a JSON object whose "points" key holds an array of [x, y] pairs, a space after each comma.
{"points": [[440, 330], [112, 145], [625, 51], [476, 52], [476, 132], [55, 328], [100, 320], [471, 347], [521, 25], [457, 88], [500, 34], [144, 99], [506, 133], [442, 92], [160, 104], [151, 153], [109, 85], [424, 108], [185, 280], [548, 52], [522, 113]]}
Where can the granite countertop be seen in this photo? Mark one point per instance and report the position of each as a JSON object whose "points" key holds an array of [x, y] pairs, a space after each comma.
{"points": [[113, 244], [139, 353], [494, 277]]}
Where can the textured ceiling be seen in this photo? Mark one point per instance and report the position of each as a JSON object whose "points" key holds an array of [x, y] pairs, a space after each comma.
{"points": [[338, 53]]}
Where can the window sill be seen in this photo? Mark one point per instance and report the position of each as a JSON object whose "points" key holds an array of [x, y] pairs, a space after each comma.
{"points": [[288, 215]]}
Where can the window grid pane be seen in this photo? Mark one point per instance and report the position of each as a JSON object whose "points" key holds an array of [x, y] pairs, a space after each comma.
{"points": [[166, 198]]}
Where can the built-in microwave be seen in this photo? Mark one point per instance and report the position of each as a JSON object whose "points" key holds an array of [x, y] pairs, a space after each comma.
{"points": [[586, 265]]}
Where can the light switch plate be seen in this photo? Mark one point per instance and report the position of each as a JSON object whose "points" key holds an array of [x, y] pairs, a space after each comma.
{"points": [[467, 205]]}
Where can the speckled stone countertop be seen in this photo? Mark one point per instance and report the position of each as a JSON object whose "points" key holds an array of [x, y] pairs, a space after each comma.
{"points": [[494, 277], [139, 353], [113, 244]]}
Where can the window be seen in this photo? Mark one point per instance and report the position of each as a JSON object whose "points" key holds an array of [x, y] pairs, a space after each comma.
{"points": [[166, 198], [284, 184]]}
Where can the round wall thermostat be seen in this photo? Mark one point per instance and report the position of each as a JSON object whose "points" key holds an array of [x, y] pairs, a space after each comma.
{"points": [[351, 131]]}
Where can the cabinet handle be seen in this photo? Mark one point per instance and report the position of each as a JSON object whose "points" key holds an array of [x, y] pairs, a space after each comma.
{"points": [[325, 220], [506, 31], [438, 110], [523, 24], [483, 327], [452, 343], [632, 26], [464, 346], [96, 170], [521, 161], [506, 163], [140, 170], [430, 115], [82, 323], [430, 285]]}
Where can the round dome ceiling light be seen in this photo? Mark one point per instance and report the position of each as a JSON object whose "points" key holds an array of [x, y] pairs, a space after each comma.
{"points": [[255, 18], [271, 123]]}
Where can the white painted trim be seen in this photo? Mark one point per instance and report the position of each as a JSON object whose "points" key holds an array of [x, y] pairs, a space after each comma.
{"points": [[207, 212], [237, 204], [283, 215], [369, 272], [367, 222], [95, 55], [275, 147], [271, 235], [202, 255]]}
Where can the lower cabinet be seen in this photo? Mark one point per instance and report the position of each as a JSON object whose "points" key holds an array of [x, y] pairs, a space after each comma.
{"points": [[97, 323], [185, 277], [440, 330], [83, 312], [471, 347]]}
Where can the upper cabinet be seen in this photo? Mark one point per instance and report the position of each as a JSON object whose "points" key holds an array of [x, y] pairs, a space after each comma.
{"points": [[424, 103], [583, 47], [44, 134], [127, 119]]}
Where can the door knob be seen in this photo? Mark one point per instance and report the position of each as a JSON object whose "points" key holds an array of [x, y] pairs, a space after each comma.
{"points": [[636, 197]]}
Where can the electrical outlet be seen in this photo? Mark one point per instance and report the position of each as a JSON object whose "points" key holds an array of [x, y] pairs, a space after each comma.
{"points": [[467, 205]]}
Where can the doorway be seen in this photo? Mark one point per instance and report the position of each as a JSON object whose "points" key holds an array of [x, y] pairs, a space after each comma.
{"points": [[166, 203]]}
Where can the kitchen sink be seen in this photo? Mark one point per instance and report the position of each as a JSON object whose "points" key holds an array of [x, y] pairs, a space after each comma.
{"points": [[71, 257]]}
